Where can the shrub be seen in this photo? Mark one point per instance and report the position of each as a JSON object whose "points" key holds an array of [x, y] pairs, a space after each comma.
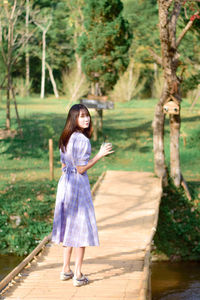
{"points": [[20, 87], [178, 230], [75, 84], [128, 85]]}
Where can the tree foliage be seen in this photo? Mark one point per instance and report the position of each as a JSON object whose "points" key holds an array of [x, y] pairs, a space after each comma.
{"points": [[104, 44], [100, 19]]}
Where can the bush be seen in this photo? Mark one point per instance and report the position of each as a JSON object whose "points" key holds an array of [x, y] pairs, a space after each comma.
{"points": [[26, 215], [75, 84], [20, 87], [178, 230], [128, 85]]}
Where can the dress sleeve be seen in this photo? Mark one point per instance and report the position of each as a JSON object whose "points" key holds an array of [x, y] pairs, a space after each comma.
{"points": [[62, 157], [82, 151]]}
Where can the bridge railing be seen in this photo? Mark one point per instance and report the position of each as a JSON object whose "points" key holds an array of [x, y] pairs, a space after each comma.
{"points": [[25, 262], [145, 291]]}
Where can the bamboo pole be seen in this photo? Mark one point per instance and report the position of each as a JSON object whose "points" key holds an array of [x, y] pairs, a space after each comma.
{"points": [[51, 159]]}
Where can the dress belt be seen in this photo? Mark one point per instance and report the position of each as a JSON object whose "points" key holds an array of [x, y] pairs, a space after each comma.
{"points": [[68, 170]]}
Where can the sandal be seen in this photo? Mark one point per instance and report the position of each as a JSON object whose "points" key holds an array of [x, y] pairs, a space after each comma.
{"points": [[80, 281], [66, 276]]}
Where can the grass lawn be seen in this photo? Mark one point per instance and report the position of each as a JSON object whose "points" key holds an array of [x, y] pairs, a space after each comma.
{"points": [[24, 166], [128, 127]]}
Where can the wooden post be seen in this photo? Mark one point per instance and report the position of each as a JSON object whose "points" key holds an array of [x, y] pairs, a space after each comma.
{"points": [[51, 159], [100, 113], [95, 125]]}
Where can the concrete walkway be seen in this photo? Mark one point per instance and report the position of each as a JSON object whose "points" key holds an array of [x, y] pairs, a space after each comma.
{"points": [[125, 205]]}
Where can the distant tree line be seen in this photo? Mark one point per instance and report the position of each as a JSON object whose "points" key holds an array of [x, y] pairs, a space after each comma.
{"points": [[47, 45], [60, 24]]}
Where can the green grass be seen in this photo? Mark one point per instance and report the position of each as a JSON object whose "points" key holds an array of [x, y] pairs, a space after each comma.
{"points": [[24, 161]]}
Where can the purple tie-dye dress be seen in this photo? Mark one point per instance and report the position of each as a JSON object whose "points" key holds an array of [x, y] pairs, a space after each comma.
{"points": [[74, 218]]}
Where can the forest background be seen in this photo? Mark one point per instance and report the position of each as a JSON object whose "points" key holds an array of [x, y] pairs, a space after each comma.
{"points": [[62, 22]]}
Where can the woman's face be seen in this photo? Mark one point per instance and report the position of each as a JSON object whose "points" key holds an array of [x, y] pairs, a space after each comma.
{"points": [[83, 119]]}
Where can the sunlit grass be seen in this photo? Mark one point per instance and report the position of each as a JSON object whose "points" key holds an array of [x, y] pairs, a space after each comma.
{"points": [[128, 127]]}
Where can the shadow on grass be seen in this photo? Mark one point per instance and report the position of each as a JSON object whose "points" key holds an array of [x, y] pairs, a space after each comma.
{"points": [[190, 119], [124, 134], [194, 187], [36, 132], [41, 127]]}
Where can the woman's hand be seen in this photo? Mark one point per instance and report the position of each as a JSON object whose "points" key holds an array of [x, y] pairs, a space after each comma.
{"points": [[106, 148]]}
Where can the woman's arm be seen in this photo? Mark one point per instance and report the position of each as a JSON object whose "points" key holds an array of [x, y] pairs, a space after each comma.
{"points": [[104, 150], [63, 165]]}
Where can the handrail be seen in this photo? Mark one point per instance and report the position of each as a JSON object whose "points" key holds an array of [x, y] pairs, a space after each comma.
{"points": [[27, 260], [5, 281], [145, 292]]}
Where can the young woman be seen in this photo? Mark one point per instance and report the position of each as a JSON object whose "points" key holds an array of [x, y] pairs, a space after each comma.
{"points": [[74, 218]]}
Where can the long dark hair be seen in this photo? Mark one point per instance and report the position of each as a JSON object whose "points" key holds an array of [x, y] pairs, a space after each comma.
{"points": [[71, 125]]}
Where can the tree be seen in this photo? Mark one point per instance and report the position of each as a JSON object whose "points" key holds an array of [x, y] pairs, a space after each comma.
{"points": [[138, 14], [104, 44], [59, 50], [169, 13], [75, 83], [13, 39], [44, 21], [76, 20], [27, 51]]}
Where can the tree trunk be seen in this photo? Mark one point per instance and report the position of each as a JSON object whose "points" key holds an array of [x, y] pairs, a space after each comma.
{"points": [[9, 75], [78, 63], [158, 138], [77, 87], [196, 97], [175, 171], [8, 103], [52, 81], [130, 81], [27, 74], [16, 109], [27, 53], [97, 89], [43, 64], [170, 62]]}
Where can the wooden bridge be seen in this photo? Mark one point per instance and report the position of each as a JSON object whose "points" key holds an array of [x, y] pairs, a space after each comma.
{"points": [[126, 206]]}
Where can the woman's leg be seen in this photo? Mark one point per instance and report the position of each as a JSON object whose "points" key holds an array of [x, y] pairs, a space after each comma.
{"points": [[67, 251], [79, 260]]}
